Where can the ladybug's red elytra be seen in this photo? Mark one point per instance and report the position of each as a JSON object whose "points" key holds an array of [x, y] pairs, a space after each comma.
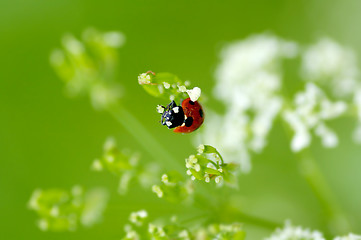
{"points": [[184, 119]]}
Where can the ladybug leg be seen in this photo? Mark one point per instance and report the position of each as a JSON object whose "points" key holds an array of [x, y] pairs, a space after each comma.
{"points": [[171, 105]]}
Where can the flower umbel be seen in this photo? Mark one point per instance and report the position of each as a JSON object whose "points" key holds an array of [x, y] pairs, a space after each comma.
{"points": [[290, 232], [208, 165], [88, 66], [125, 164], [164, 230], [311, 109], [173, 187], [61, 210], [248, 82]]}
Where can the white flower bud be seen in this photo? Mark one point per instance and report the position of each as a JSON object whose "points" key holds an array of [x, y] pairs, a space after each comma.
{"points": [[144, 78], [194, 93], [166, 85], [157, 190]]}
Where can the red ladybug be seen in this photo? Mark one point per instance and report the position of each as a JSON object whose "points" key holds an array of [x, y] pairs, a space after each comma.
{"points": [[184, 119]]}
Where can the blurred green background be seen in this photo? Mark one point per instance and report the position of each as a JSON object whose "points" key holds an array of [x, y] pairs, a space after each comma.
{"points": [[48, 140]]}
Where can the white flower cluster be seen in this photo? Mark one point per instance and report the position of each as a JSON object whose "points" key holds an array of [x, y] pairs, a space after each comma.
{"points": [[248, 82], [144, 78], [208, 165], [311, 109], [173, 187], [289, 232], [333, 65], [168, 86], [163, 230], [350, 236], [61, 210], [138, 217], [126, 165], [87, 67]]}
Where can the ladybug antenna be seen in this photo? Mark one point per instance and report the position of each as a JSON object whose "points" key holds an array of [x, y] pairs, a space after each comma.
{"points": [[150, 72]]}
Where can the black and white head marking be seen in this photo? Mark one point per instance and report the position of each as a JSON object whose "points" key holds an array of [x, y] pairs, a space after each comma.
{"points": [[172, 115]]}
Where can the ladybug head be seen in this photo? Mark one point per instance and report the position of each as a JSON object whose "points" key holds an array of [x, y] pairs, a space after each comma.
{"points": [[172, 115]]}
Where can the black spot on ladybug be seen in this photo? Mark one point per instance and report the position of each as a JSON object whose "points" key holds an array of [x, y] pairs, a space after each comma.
{"points": [[188, 122], [191, 102], [201, 112]]}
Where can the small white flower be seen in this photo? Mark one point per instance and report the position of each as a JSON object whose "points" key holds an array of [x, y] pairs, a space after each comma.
{"points": [[160, 109], [97, 165], [33, 202], [201, 148], [73, 45], [191, 161], [165, 178], [331, 64], [138, 217], [166, 85], [182, 88], [197, 167], [132, 235], [210, 165], [311, 109], [156, 189], [109, 158], [144, 78], [194, 93], [54, 211], [350, 236], [109, 144], [207, 179], [184, 235], [113, 39], [43, 224], [329, 138], [218, 179], [290, 232]]}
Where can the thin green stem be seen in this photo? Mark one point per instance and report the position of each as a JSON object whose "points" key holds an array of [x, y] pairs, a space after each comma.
{"points": [[220, 156], [337, 222], [253, 220], [214, 164], [142, 136], [337, 219]]}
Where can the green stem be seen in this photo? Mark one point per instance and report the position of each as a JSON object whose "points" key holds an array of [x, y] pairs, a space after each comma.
{"points": [[142, 136], [214, 164], [337, 222], [309, 170], [220, 156], [255, 221]]}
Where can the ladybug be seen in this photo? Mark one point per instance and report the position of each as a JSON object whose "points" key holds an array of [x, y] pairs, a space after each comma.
{"points": [[184, 119]]}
